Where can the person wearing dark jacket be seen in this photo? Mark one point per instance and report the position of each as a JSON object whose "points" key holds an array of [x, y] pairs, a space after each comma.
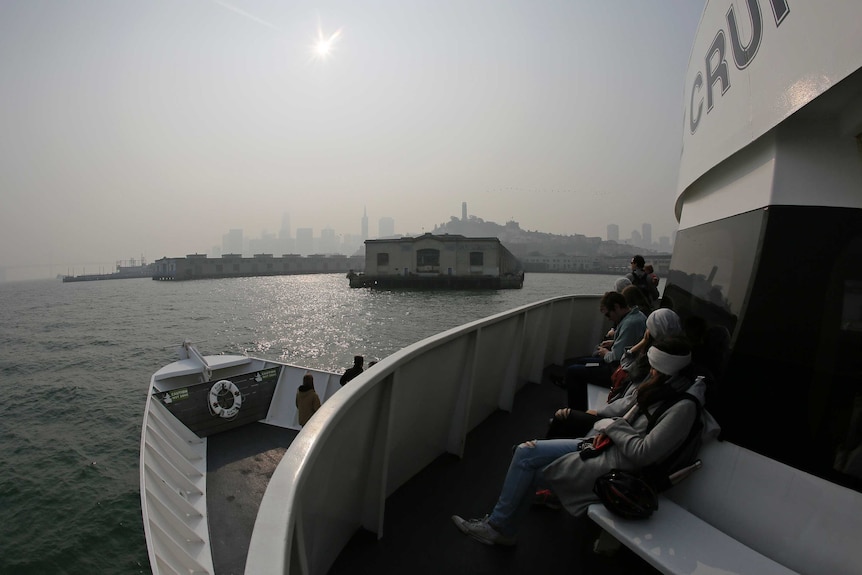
{"points": [[307, 400], [358, 362], [642, 280]]}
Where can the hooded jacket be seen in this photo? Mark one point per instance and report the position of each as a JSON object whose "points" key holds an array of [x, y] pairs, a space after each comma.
{"points": [[307, 403], [572, 478]]}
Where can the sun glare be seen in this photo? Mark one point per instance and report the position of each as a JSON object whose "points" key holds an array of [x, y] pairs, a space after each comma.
{"points": [[325, 45]]}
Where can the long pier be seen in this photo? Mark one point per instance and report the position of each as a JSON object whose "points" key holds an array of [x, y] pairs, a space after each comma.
{"points": [[100, 277], [199, 266]]}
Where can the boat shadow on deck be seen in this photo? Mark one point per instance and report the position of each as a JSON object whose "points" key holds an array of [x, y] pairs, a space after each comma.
{"points": [[419, 536], [240, 464]]}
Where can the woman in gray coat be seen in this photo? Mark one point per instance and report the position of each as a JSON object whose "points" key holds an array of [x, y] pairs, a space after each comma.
{"points": [[570, 466]]}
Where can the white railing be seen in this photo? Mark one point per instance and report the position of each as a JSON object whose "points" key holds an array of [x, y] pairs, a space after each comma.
{"points": [[398, 416], [173, 494], [173, 460]]}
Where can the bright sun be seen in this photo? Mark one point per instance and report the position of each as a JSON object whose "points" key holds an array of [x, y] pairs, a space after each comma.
{"points": [[324, 46]]}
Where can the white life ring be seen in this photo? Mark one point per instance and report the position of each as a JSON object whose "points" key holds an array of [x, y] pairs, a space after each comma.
{"points": [[216, 407]]}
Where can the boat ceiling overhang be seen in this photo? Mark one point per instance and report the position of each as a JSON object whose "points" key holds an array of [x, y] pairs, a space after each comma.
{"points": [[753, 64]]}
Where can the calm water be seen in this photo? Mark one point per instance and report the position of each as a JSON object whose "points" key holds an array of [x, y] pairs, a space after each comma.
{"points": [[75, 362]]}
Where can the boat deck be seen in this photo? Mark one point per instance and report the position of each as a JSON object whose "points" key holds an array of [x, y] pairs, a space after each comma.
{"points": [[239, 465], [419, 536]]}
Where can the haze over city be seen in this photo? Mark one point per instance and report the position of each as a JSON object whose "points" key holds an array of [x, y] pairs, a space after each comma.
{"points": [[153, 128]]}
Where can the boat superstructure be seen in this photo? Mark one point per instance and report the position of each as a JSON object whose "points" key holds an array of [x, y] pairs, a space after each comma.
{"points": [[770, 212]]}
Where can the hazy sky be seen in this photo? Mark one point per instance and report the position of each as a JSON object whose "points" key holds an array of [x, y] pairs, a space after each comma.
{"points": [[152, 127]]}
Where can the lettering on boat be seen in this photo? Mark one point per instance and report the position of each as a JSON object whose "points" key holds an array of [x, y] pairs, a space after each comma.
{"points": [[716, 70], [176, 395]]}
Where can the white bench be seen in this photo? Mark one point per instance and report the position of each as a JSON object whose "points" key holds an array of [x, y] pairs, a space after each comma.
{"points": [[745, 513], [597, 396]]}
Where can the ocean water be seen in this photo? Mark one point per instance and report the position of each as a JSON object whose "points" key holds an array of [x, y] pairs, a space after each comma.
{"points": [[75, 363]]}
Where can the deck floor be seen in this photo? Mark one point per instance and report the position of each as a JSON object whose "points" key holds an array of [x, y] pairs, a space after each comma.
{"points": [[419, 536], [239, 465]]}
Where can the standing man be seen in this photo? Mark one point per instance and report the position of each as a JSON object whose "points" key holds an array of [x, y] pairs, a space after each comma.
{"points": [[358, 362], [642, 280], [597, 369]]}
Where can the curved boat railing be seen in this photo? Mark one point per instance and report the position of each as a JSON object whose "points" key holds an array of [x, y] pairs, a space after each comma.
{"points": [[173, 493], [173, 459], [397, 417]]}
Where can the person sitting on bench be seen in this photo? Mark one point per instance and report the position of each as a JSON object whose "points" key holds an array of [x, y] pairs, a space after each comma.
{"points": [[597, 369], [634, 368], [631, 442]]}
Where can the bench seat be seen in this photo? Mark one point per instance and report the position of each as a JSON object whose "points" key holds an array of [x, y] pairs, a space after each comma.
{"points": [[743, 512], [597, 396], [675, 541]]}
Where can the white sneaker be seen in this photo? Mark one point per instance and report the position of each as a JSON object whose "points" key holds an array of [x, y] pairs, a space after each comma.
{"points": [[481, 530]]}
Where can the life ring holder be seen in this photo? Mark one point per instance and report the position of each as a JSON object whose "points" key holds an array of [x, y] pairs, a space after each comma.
{"points": [[214, 405]]}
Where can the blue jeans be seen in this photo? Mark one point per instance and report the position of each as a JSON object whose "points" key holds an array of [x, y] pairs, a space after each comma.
{"points": [[523, 478]]}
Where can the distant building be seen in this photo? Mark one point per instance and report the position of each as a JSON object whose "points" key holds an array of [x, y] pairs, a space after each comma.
{"points": [[442, 261], [463, 211], [386, 227], [622, 265], [286, 246], [305, 241], [664, 244], [364, 224], [613, 233], [646, 231], [284, 231], [266, 243], [231, 242], [198, 266], [563, 264], [351, 244], [328, 241]]}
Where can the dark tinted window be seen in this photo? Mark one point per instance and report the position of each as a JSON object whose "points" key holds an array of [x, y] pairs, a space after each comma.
{"points": [[427, 257], [712, 267], [792, 388], [477, 258]]}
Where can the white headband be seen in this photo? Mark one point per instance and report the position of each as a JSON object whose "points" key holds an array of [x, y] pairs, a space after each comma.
{"points": [[666, 363]]}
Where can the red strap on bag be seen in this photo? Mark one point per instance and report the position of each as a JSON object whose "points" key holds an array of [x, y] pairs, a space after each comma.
{"points": [[619, 378]]}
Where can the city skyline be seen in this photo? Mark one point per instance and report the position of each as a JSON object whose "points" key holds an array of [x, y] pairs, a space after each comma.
{"points": [[330, 241], [304, 241], [153, 128]]}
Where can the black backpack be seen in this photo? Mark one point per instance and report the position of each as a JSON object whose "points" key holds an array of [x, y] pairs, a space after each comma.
{"points": [[644, 283], [658, 474]]}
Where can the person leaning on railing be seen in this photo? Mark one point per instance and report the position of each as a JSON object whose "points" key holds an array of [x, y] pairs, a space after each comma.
{"points": [[307, 400]]}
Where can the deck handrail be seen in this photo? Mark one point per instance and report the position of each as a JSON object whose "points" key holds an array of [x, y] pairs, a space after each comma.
{"points": [[395, 418]]}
